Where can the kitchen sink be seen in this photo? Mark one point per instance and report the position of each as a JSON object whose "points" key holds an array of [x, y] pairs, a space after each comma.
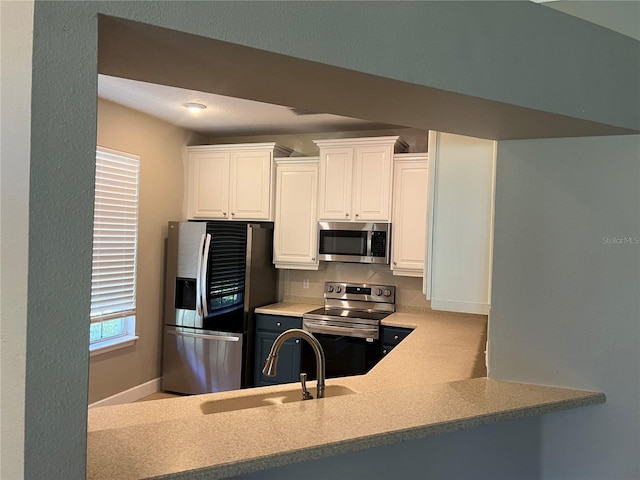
{"points": [[266, 399]]}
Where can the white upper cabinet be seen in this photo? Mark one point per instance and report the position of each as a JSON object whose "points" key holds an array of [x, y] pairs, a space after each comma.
{"points": [[295, 236], [356, 178], [336, 175], [250, 185], [208, 184], [232, 181], [409, 220]]}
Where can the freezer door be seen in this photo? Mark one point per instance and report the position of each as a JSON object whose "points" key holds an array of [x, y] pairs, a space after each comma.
{"points": [[184, 283], [201, 361]]}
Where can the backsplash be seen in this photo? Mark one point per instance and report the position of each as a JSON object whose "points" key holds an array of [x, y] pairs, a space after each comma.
{"points": [[409, 296]]}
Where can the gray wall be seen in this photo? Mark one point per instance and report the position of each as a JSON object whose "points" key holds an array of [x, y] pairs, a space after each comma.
{"points": [[494, 452], [565, 307], [619, 15], [504, 51]]}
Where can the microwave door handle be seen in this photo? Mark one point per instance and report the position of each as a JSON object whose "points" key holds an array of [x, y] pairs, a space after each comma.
{"points": [[198, 275], [369, 252], [203, 275]]}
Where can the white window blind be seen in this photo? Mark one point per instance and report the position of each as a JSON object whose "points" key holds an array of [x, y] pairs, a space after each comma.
{"points": [[115, 234]]}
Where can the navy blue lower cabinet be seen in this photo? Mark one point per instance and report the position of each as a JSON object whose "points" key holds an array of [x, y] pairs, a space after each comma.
{"points": [[268, 327], [392, 336]]}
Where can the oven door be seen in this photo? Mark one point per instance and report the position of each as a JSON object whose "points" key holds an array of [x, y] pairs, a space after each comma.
{"points": [[348, 350]]}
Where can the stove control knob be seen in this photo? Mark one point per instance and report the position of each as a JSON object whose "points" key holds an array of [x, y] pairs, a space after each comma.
{"points": [[329, 288], [387, 293], [378, 292], [338, 289]]}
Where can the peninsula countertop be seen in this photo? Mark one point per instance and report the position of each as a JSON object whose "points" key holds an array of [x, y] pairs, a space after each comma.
{"points": [[432, 382]]}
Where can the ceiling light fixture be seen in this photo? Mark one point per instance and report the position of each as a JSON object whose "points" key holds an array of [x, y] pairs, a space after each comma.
{"points": [[194, 107]]}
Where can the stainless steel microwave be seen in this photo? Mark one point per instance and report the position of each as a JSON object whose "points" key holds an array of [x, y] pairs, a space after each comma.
{"points": [[357, 242]]}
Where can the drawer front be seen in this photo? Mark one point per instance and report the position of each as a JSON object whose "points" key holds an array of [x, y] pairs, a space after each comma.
{"points": [[277, 323], [391, 336]]}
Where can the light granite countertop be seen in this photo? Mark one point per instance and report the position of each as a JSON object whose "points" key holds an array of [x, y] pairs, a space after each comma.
{"points": [[287, 309], [433, 382]]}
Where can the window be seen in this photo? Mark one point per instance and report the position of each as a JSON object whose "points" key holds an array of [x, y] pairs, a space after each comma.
{"points": [[115, 235]]}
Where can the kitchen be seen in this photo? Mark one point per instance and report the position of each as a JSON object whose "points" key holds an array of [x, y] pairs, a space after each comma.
{"points": [[541, 323], [459, 358], [164, 199]]}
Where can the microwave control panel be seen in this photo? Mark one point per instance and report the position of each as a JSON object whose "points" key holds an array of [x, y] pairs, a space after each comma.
{"points": [[378, 244]]}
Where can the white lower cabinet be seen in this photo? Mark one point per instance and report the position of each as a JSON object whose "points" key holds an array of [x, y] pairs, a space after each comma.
{"points": [[295, 241], [409, 218]]}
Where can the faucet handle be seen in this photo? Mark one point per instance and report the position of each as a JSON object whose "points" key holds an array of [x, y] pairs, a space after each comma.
{"points": [[305, 393]]}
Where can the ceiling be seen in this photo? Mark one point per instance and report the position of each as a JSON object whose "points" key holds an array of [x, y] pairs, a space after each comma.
{"points": [[224, 116]]}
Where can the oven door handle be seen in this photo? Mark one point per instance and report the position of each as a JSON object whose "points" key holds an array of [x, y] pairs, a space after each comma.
{"points": [[333, 329]]}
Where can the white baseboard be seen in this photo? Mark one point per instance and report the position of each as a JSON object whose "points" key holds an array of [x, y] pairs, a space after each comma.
{"points": [[457, 306], [131, 395]]}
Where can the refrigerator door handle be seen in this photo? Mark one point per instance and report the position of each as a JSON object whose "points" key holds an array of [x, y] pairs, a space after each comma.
{"points": [[199, 280], [203, 275], [222, 338]]}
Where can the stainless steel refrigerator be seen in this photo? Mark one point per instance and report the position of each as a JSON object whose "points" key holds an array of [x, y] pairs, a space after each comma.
{"points": [[217, 273]]}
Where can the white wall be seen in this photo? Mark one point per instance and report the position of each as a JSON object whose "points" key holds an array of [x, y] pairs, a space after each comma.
{"points": [[459, 270], [16, 29], [566, 281]]}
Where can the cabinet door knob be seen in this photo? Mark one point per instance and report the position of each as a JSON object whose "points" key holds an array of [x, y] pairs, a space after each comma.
{"points": [[224, 213], [233, 213], [297, 340], [346, 214], [313, 258], [395, 263], [395, 337], [357, 214], [384, 352], [278, 324]]}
